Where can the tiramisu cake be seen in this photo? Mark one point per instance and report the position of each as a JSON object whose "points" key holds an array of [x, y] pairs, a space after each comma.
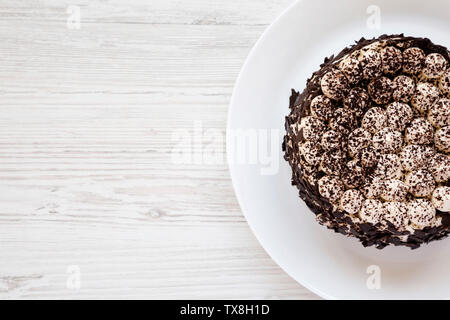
{"points": [[368, 141]]}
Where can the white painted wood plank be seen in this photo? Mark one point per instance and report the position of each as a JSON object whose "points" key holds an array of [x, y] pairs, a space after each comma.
{"points": [[86, 132]]}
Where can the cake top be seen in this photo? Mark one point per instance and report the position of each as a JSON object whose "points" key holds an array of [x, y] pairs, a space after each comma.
{"points": [[375, 133]]}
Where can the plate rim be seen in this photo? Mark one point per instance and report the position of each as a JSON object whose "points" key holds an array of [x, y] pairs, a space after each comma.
{"points": [[230, 154]]}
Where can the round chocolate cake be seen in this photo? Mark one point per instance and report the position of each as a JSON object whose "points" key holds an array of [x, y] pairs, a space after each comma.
{"points": [[368, 141]]}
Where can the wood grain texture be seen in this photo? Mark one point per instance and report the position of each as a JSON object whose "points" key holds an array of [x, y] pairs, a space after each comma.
{"points": [[87, 120]]}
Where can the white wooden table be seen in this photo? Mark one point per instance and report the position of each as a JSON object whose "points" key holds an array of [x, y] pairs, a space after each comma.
{"points": [[92, 204]]}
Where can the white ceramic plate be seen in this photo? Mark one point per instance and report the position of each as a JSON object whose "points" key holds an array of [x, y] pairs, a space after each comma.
{"points": [[328, 264]]}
